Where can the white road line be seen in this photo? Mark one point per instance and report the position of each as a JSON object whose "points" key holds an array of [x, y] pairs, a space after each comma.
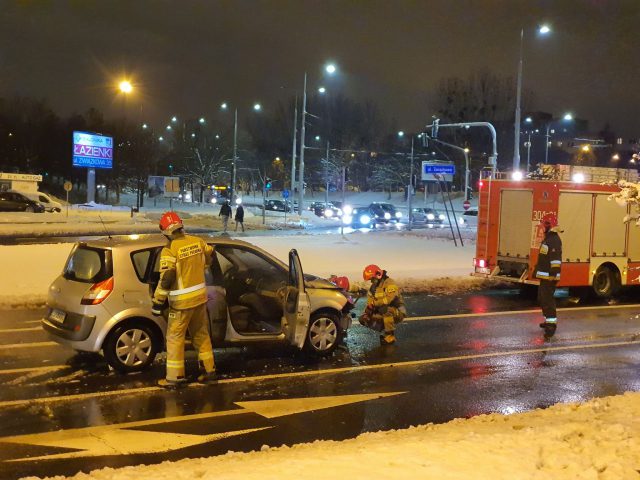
{"points": [[516, 312], [26, 329], [50, 368], [313, 373], [10, 346]]}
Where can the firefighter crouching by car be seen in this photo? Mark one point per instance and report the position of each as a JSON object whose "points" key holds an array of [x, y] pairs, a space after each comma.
{"points": [[182, 283], [548, 271], [385, 305]]}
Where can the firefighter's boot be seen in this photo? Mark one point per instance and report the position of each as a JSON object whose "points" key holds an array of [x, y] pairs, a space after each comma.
{"points": [[549, 328], [388, 338], [173, 384], [208, 378]]}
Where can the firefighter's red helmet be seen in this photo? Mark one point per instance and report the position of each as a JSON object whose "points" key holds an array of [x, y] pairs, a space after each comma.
{"points": [[342, 283], [371, 271], [170, 222], [549, 220]]}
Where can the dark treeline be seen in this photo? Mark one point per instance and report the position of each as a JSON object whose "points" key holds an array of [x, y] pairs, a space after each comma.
{"points": [[362, 138]]}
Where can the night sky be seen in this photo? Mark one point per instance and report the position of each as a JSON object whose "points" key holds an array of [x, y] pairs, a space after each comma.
{"points": [[185, 57]]}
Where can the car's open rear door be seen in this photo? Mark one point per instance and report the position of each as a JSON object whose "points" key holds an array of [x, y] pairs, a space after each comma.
{"points": [[296, 308]]}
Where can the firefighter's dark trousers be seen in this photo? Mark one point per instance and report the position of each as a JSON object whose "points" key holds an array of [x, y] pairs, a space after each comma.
{"points": [[546, 300]]}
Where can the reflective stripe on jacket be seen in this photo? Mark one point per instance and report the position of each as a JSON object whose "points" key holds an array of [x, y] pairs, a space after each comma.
{"points": [[182, 265], [550, 257]]}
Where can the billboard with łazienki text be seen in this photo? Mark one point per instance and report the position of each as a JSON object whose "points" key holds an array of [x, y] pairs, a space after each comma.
{"points": [[91, 150]]}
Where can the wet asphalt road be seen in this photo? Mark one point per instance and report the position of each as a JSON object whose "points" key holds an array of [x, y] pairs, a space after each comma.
{"points": [[459, 361]]}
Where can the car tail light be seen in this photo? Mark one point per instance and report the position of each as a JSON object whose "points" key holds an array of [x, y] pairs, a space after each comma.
{"points": [[98, 292]]}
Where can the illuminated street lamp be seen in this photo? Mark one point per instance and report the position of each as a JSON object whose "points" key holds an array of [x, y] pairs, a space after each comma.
{"points": [[125, 87], [174, 119], [542, 30], [201, 121], [330, 69], [586, 148], [225, 106], [322, 90]]}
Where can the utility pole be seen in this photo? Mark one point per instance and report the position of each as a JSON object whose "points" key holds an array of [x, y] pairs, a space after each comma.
{"points": [[326, 178], [293, 151], [409, 192], [516, 137], [235, 155], [302, 140]]}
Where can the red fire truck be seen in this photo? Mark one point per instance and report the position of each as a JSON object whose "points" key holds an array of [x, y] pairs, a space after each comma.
{"points": [[599, 249]]}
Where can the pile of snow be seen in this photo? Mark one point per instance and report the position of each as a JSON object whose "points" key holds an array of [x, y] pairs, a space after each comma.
{"points": [[416, 261], [597, 439]]}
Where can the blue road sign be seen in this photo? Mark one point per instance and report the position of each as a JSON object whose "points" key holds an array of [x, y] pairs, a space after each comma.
{"points": [[441, 169], [285, 194]]}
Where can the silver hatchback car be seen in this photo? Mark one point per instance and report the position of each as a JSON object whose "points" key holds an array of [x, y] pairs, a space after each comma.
{"points": [[102, 301]]}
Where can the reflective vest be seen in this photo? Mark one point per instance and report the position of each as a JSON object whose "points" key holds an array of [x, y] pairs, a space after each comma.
{"points": [[182, 265], [550, 257], [386, 293]]}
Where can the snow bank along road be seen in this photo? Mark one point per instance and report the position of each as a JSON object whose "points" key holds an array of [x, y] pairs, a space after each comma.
{"points": [[28, 270], [61, 413]]}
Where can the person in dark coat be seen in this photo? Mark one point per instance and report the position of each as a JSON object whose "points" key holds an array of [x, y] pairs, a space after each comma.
{"points": [[225, 213], [548, 272], [239, 218]]}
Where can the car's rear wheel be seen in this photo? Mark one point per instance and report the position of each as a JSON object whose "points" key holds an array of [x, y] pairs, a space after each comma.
{"points": [[132, 346], [323, 334]]}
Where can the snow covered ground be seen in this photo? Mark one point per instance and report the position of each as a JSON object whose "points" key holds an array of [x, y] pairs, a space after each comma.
{"points": [[416, 260], [599, 439]]}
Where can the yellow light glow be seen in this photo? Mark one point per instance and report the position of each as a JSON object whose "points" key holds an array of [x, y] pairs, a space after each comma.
{"points": [[125, 86], [586, 148]]}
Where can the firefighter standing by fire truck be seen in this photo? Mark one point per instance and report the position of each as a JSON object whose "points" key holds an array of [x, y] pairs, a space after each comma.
{"points": [[182, 283], [548, 272]]}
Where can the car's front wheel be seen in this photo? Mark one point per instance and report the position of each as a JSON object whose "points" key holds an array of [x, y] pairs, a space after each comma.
{"points": [[29, 209], [323, 335], [131, 346]]}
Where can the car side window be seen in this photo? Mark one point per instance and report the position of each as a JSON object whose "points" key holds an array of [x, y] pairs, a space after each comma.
{"points": [[251, 268], [140, 260], [43, 199]]}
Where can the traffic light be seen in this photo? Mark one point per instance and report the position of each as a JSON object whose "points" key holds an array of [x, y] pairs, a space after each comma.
{"points": [[268, 183]]}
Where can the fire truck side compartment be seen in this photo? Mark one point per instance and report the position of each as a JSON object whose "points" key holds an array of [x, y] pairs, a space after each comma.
{"points": [[574, 217], [609, 237], [515, 232]]}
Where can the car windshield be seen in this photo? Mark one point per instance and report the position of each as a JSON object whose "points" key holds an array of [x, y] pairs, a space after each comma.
{"points": [[89, 265]]}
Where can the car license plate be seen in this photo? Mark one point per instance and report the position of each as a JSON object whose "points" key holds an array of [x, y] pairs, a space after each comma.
{"points": [[484, 270], [57, 315]]}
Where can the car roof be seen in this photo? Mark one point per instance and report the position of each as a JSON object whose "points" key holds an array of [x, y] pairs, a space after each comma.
{"points": [[140, 242]]}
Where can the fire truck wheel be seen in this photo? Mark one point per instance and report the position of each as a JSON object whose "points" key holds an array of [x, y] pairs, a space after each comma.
{"points": [[606, 282]]}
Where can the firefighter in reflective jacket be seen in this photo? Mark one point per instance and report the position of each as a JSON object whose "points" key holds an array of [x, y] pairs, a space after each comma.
{"points": [[182, 283], [548, 271], [385, 305]]}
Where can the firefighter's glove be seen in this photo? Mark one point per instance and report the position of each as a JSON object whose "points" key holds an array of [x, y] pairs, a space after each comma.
{"points": [[156, 308]]}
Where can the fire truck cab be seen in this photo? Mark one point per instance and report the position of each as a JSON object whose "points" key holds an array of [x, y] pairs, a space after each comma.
{"points": [[599, 249]]}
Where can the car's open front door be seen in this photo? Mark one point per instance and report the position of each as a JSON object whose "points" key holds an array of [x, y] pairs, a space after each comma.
{"points": [[296, 308]]}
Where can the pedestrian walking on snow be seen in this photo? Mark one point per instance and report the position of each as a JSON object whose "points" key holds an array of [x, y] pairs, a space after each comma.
{"points": [[239, 218], [225, 213]]}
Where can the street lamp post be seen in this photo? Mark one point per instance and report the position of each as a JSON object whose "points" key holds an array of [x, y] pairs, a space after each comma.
{"points": [[302, 139], [466, 173], [330, 69], [409, 192], [326, 178], [543, 30], [293, 150]]}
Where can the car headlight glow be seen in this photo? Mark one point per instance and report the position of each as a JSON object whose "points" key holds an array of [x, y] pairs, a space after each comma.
{"points": [[441, 216], [398, 214], [430, 216], [347, 209], [214, 201], [328, 213], [365, 219], [387, 216], [461, 221]]}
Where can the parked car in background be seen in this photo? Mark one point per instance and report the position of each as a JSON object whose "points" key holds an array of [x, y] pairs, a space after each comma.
{"points": [[469, 217], [427, 215], [385, 212], [49, 204], [17, 202], [278, 205], [102, 301]]}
